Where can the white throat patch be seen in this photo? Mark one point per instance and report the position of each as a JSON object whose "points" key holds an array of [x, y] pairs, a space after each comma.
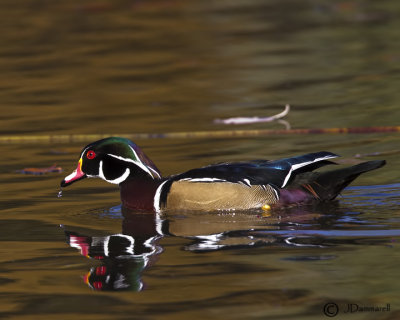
{"points": [[117, 180]]}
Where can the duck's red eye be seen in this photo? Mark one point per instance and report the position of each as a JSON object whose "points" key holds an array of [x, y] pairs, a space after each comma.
{"points": [[90, 154]]}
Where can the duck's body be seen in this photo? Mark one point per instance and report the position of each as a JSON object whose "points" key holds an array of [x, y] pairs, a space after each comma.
{"points": [[224, 186]]}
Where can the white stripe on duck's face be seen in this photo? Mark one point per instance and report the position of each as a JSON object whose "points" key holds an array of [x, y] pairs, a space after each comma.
{"points": [[137, 163], [150, 171], [116, 169], [153, 173]]}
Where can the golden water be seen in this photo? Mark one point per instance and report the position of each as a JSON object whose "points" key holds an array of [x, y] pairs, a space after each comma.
{"points": [[89, 67]]}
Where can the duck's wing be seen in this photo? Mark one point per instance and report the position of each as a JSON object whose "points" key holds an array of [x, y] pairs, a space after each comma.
{"points": [[238, 185], [257, 172]]}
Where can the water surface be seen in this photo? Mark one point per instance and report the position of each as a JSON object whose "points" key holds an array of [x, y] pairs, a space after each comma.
{"points": [[166, 66]]}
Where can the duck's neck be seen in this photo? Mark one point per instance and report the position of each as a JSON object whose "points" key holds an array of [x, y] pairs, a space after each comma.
{"points": [[138, 193]]}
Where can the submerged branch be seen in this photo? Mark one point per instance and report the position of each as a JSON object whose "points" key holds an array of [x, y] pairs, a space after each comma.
{"points": [[70, 138]]}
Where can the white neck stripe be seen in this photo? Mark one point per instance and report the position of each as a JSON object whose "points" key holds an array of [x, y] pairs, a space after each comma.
{"points": [[144, 166], [157, 196], [158, 175]]}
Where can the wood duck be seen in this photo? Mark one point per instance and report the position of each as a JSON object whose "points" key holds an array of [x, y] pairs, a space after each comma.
{"points": [[227, 186]]}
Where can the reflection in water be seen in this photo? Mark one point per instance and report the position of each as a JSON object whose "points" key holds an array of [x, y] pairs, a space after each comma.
{"points": [[125, 256]]}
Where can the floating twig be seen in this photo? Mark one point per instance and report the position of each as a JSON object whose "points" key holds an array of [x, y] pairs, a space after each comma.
{"points": [[247, 120]]}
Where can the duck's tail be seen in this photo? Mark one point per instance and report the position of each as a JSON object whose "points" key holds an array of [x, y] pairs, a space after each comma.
{"points": [[327, 185]]}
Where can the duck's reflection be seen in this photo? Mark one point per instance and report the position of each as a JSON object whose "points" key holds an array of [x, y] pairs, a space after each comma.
{"points": [[124, 256]]}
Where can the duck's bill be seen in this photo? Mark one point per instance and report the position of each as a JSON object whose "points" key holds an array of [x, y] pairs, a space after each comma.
{"points": [[78, 174]]}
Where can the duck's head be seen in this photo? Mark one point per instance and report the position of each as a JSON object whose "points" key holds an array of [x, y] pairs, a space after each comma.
{"points": [[112, 159]]}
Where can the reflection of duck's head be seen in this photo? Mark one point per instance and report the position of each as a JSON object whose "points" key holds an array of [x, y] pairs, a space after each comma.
{"points": [[123, 256], [116, 277]]}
